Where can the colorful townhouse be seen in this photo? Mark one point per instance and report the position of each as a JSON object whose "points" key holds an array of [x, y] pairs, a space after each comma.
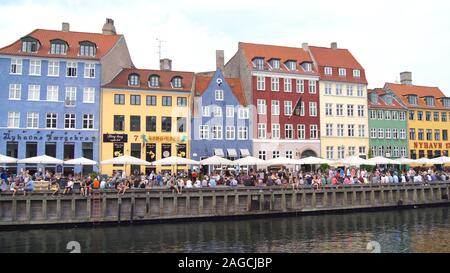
{"points": [[146, 114], [428, 117], [282, 84], [387, 125], [343, 103], [221, 119], [51, 101]]}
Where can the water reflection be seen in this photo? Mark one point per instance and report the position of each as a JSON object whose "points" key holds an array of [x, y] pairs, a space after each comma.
{"points": [[420, 230]]}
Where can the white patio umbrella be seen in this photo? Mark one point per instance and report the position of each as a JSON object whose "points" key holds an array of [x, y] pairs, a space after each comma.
{"points": [[80, 162], [314, 161], [7, 159], [42, 159], [216, 160], [281, 161], [379, 160], [406, 161], [249, 161], [175, 160], [425, 161], [354, 161], [125, 160], [443, 160]]}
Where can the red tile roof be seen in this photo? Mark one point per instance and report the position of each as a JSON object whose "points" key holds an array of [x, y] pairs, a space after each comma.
{"points": [[121, 80], [337, 58], [202, 83], [283, 53], [402, 91], [381, 103], [104, 44]]}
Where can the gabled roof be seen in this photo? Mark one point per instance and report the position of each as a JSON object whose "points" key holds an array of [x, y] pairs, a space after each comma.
{"points": [[283, 53], [166, 76], [402, 91], [381, 103], [202, 83], [104, 44]]}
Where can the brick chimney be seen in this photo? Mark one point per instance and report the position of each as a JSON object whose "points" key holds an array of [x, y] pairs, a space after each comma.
{"points": [[334, 45], [220, 59], [65, 27], [406, 78], [108, 27], [165, 64]]}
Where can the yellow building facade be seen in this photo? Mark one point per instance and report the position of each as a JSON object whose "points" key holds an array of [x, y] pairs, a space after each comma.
{"points": [[146, 118]]}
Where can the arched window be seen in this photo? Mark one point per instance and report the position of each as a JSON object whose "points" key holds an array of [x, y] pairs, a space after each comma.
{"points": [[177, 82], [153, 81], [30, 44], [88, 48], [58, 47], [133, 80]]}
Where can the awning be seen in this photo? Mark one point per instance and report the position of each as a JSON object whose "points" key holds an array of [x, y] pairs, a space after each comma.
{"points": [[219, 152], [245, 152], [232, 152]]}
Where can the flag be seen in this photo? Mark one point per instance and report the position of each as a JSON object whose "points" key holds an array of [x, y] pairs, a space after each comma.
{"points": [[297, 108]]}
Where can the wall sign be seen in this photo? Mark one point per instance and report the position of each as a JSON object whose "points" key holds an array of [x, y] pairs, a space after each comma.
{"points": [[115, 138], [150, 152], [431, 145], [166, 150]]}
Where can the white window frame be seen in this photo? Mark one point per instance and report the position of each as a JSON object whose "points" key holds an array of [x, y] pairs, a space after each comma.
{"points": [[313, 131], [329, 129], [361, 130], [242, 133], [89, 95], [350, 90], [328, 109], [356, 73], [35, 67], [17, 64], [275, 108], [262, 131], [34, 92], [313, 109], [88, 68], [206, 111], [330, 152], [300, 86], [289, 128], [275, 131], [230, 133], [70, 65], [217, 132], [15, 91], [380, 133], [312, 87], [339, 110], [52, 93], [13, 120], [217, 112], [361, 111], [203, 132], [243, 113], [373, 133], [328, 70], [230, 111], [360, 90], [53, 68], [260, 83], [340, 130], [218, 95], [350, 130], [338, 89], [328, 88], [70, 96], [71, 117], [90, 119], [275, 84], [262, 107], [342, 72], [301, 131], [288, 108], [53, 117], [287, 85]]}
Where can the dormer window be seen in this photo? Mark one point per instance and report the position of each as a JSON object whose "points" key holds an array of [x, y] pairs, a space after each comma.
{"points": [[88, 49], [276, 64], [307, 67], [342, 72], [176, 82], [154, 81], [388, 99], [374, 98], [446, 102], [292, 65], [328, 71], [356, 73], [58, 47], [430, 101], [30, 44], [258, 63], [412, 99], [133, 80]]}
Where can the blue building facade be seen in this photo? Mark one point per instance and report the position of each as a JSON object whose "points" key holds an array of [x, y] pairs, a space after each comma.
{"points": [[221, 119]]}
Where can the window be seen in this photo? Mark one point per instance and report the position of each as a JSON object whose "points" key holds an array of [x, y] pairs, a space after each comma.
{"points": [[328, 109], [16, 66], [361, 111], [394, 133], [135, 99], [289, 131], [217, 110], [217, 132], [412, 134], [260, 83], [58, 47], [262, 107], [380, 133], [13, 119], [166, 101], [419, 115], [402, 115], [292, 65], [289, 154], [429, 134], [437, 135], [412, 99], [360, 91], [88, 121], [181, 124], [230, 133], [242, 133], [181, 101], [328, 70], [154, 81], [301, 131], [243, 113], [328, 89], [15, 91], [30, 45], [219, 95], [313, 131], [150, 100], [373, 133], [444, 117], [351, 150], [32, 120], [135, 123], [356, 73], [330, 152], [402, 133], [204, 132], [166, 124], [338, 89], [340, 130], [275, 84], [349, 90], [340, 110], [287, 108], [35, 67], [275, 108], [312, 87], [361, 130], [420, 134], [262, 155], [34, 92], [133, 80], [89, 70], [342, 72], [403, 152], [411, 115], [444, 135], [351, 130], [258, 63], [312, 109], [150, 124], [275, 131], [380, 151], [276, 64], [341, 152], [287, 85], [69, 121], [206, 111], [87, 49], [302, 109], [88, 95], [51, 120], [275, 154], [307, 67], [261, 130], [230, 111], [71, 69], [300, 86], [177, 82], [350, 110], [387, 135], [380, 114], [53, 68], [387, 115], [119, 99], [436, 116], [119, 123], [52, 93], [430, 101], [394, 115]]}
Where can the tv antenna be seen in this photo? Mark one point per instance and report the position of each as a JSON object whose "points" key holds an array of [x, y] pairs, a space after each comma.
{"points": [[160, 47]]}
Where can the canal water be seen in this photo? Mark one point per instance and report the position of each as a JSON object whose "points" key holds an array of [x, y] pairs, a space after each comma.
{"points": [[415, 230]]}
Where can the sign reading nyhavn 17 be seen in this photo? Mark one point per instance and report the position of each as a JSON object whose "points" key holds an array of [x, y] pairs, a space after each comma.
{"points": [[115, 138]]}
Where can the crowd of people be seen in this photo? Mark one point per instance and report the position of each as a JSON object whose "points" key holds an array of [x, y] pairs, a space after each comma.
{"points": [[24, 182]]}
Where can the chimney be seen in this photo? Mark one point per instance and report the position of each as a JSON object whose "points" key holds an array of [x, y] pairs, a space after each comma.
{"points": [[165, 64], [220, 59], [305, 46], [65, 27], [406, 78], [109, 28], [334, 45]]}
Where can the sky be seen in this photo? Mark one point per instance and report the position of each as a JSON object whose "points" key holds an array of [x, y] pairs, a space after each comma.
{"points": [[386, 37]]}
